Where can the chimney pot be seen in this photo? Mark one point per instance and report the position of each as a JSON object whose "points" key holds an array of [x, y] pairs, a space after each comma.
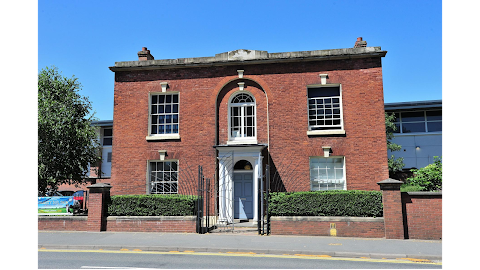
{"points": [[145, 55], [360, 43]]}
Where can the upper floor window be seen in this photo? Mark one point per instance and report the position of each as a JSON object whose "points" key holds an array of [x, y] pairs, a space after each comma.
{"points": [[325, 109], [164, 115], [107, 136], [242, 117], [418, 121]]}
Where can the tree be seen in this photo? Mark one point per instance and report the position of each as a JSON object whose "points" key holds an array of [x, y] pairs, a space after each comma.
{"points": [[428, 177], [394, 164], [67, 142]]}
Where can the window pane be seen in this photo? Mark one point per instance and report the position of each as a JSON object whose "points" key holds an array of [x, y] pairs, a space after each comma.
{"points": [[175, 128], [249, 121], [413, 127], [249, 132], [175, 98], [161, 98], [397, 130], [323, 92], [107, 132], [434, 115], [154, 119], [175, 108], [161, 129], [168, 119], [249, 111], [153, 166], [154, 109], [434, 126], [168, 98], [161, 109], [413, 116], [166, 166], [154, 129], [175, 118], [107, 141], [154, 99]]}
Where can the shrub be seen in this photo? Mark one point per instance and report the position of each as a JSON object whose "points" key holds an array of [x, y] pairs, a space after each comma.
{"points": [[152, 205], [354, 203], [428, 177]]}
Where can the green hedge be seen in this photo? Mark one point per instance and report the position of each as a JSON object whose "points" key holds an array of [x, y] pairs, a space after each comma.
{"points": [[353, 203], [152, 205]]}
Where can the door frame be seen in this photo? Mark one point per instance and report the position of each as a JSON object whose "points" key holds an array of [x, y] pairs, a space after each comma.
{"points": [[227, 157]]}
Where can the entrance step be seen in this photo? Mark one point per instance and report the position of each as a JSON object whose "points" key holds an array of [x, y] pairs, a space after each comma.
{"points": [[241, 227]]}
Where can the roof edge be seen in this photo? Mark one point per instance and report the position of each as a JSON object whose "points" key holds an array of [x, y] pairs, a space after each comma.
{"points": [[248, 57]]}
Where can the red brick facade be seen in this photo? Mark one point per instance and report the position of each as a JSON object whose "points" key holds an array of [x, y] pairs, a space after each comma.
{"points": [[280, 91]]}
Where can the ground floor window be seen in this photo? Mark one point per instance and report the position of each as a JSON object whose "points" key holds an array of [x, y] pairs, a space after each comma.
{"points": [[163, 177], [327, 173]]}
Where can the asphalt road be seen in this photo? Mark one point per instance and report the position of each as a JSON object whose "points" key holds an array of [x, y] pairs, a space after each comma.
{"points": [[103, 259]]}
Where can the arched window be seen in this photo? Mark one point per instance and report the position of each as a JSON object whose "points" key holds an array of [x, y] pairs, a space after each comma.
{"points": [[243, 165], [242, 117]]}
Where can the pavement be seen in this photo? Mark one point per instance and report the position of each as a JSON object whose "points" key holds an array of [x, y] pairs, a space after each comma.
{"points": [[350, 247]]}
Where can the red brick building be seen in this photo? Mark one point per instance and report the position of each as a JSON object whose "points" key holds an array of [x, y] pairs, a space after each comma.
{"points": [[315, 117]]}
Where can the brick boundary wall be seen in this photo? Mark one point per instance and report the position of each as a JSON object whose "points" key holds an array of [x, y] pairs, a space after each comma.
{"points": [[367, 227], [62, 223], [422, 215], [407, 215], [181, 224]]}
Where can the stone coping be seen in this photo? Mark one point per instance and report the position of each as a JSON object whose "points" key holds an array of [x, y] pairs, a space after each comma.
{"points": [[424, 193], [154, 218], [63, 217], [250, 57], [327, 219]]}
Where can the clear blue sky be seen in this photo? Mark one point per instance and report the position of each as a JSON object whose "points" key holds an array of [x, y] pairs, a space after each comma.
{"points": [[84, 38]]}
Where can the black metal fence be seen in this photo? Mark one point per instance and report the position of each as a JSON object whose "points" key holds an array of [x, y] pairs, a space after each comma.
{"points": [[204, 193]]}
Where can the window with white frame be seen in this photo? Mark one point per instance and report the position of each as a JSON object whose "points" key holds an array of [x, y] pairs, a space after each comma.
{"points": [[325, 108], [418, 121], [107, 136], [327, 173], [164, 114], [242, 117], [163, 177]]}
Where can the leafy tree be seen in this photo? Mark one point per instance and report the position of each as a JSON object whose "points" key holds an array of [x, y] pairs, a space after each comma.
{"points": [[428, 177], [67, 143], [394, 164]]}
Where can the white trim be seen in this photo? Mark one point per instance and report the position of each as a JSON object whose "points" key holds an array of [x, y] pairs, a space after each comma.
{"points": [[148, 173], [251, 154], [325, 132], [344, 171], [323, 78], [158, 137], [240, 73], [328, 131], [242, 140], [170, 136], [164, 86]]}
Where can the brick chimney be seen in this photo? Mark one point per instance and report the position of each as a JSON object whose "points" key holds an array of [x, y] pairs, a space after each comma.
{"points": [[144, 55], [360, 43]]}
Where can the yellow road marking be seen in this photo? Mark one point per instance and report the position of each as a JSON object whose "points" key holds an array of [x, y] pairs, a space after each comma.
{"points": [[251, 254], [414, 260]]}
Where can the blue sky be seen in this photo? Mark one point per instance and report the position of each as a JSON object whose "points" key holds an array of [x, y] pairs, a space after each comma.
{"points": [[84, 38]]}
